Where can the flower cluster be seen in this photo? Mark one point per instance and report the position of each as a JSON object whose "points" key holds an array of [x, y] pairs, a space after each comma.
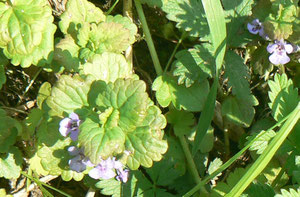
{"points": [[106, 169], [278, 50]]}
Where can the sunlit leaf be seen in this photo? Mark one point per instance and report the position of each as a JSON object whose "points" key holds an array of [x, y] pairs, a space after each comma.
{"points": [[288, 193], [108, 67], [78, 12], [10, 163], [283, 96], [128, 122], [26, 31]]}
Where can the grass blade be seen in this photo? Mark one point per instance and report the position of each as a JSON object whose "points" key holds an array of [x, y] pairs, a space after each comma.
{"points": [[217, 26]]}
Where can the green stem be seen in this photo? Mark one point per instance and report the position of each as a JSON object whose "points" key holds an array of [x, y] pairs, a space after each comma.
{"points": [[30, 84], [174, 52], [267, 155], [227, 142], [148, 37], [112, 7], [231, 160], [44, 184], [127, 11], [191, 163]]}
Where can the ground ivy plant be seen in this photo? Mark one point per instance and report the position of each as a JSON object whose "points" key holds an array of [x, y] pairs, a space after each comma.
{"points": [[168, 98]]}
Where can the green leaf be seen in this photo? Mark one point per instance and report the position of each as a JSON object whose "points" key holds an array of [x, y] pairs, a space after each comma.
{"points": [[258, 189], [238, 109], [261, 142], [3, 63], [182, 121], [189, 16], [126, 22], [283, 96], [236, 13], [104, 37], [193, 65], [36, 166], [26, 31], [223, 187], [164, 172], [66, 54], [78, 12], [128, 122], [216, 21], [43, 94], [291, 193], [213, 166], [3, 193], [32, 121], [108, 67], [68, 94], [10, 163], [279, 24], [9, 130], [190, 99], [153, 3], [137, 185]]}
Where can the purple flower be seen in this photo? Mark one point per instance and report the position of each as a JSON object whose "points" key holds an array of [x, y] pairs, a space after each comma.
{"points": [[79, 162], [70, 126], [279, 52], [107, 169], [104, 170], [122, 175], [256, 27]]}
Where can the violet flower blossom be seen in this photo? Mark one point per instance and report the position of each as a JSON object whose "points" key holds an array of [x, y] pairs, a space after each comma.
{"points": [[79, 162], [106, 169], [256, 27], [279, 52], [70, 126]]}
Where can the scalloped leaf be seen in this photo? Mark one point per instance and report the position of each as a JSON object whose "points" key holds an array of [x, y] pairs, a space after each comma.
{"points": [[36, 166], [68, 94], [238, 108], [3, 193], [108, 67], [279, 24], [182, 121], [193, 65], [27, 31], [129, 121], [236, 13], [78, 12], [9, 130], [32, 121], [126, 22], [11, 163], [190, 99], [283, 96], [104, 37], [66, 54], [189, 16], [291, 193]]}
